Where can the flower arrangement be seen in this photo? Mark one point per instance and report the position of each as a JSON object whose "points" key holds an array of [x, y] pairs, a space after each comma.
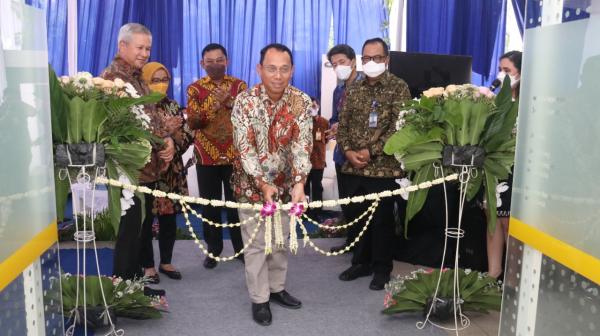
{"points": [[125, 298], [414, 293], [103, 124], [459, 124]]}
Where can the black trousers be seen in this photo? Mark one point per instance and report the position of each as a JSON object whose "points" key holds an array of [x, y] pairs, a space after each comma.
{"points": [[167, 230], [376, 246], [128, 245], [211, 181], [352, 231], [314, 189]]}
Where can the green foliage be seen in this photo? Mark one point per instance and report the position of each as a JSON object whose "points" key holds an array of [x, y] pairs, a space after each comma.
{"points": [[125, 297], [457, 116], [479, 292], [87, 110]]}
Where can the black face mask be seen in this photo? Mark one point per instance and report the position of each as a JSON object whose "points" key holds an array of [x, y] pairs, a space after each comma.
{"points": [[215, 71]]}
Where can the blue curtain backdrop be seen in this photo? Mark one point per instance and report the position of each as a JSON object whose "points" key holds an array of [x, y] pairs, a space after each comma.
{"points": [[359, 20], [182, 28], [461, 27], [56, 19], [519, 10]]}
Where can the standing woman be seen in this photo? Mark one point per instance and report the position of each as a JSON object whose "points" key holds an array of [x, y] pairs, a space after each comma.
{"points": [[510, 65], [172, 179]]}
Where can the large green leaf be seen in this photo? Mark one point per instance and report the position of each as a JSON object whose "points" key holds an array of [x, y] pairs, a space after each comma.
{"points": [[431, 146], [59, 108], [126, 102], [75, 119], [496, 168], [130, 156], [400, 140], [417, 198], [418, 160], [474, 184], [501, 128], [465, 107], [479, 115], [93, 115], [404, 306], [114, 195], [490, 195]]}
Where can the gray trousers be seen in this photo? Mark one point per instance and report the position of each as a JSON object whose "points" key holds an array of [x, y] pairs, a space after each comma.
{"points": [[265, 274]]}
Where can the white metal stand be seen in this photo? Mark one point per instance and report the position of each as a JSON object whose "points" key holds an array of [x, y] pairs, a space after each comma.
{"points": [[466, 173], [86, 234]]}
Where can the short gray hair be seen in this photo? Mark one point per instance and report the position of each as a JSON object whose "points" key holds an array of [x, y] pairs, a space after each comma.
{"points": [[127, 31]]}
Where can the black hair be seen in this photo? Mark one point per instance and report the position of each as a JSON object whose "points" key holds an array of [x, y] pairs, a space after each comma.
{"points": [[341, 49], [386, 49], [277, 46], [214, 46], [515, 57]]}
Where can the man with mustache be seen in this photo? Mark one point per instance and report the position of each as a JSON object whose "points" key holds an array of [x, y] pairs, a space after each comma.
{"points": [[210, 100]]}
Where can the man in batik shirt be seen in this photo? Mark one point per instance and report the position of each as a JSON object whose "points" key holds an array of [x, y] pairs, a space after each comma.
{"points": [[210, 100], [272, 131], [367, 120]]}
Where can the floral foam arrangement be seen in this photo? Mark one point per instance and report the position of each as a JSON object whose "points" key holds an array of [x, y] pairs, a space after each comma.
{"points": [[453, 126]]}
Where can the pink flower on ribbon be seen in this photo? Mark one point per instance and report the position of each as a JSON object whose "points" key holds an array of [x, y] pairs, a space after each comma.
{"points": [[297, 209], [268, 209]]}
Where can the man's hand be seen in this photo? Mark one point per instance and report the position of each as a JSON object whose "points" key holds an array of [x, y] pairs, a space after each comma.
{"points": [[364, 153], [222, 96], [297, 193], [356, 160], [169, 151], [332, 132], [173, 123], [268, 191]]}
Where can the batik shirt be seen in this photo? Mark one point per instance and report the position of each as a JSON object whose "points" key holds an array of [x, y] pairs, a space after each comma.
{"points": [[355, 131], [273, 142], [318, 155], [213, 140]]}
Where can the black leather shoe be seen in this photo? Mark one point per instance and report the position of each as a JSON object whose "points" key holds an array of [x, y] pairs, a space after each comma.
{"points": [[153, 279], [261, 313], [209, 263], [379, 281], [154, 292], [355, 272], [285, 300], [171, 274]]}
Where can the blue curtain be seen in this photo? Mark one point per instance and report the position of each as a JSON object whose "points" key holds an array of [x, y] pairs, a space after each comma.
{"points": [[56, 26], [461, 27], [181, 28], [519, 9], [355, 21]]}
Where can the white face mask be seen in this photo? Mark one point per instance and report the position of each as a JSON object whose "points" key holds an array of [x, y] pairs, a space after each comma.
{"points": [[513, 79], [343, 72], [373, 69], [314, 111]]}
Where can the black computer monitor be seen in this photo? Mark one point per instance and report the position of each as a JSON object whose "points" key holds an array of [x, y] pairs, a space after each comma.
{"points": [[424, 71]]}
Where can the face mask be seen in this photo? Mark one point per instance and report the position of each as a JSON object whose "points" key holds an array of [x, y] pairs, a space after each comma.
{"points": [[343, 72], [373, 69], [159, 87], [215, 71], [513, 79], [314, 111]]}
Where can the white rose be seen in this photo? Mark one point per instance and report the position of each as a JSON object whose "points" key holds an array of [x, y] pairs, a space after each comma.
{"points": [[119, 83], [106, 84], [434, 92], [65, 79]]}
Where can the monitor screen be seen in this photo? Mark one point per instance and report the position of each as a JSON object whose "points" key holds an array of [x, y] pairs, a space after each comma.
{"points": [[424, 71]]}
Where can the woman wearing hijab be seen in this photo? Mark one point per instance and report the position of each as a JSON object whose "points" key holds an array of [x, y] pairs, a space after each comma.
{"points": [[172, 180]]}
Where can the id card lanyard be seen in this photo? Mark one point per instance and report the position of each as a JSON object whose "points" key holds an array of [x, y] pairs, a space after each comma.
{"points": [[373, 115]]}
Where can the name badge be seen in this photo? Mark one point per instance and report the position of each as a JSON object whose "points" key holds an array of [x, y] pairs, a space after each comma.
{"points": [[318, 136], [373, 119]]}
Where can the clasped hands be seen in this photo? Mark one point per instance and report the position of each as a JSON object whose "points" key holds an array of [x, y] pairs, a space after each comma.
{"points": [[358, 159]]}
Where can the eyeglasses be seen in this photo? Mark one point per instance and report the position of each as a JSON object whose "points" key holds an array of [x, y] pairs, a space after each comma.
{"points": [[376, 59], [272, 70]]}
